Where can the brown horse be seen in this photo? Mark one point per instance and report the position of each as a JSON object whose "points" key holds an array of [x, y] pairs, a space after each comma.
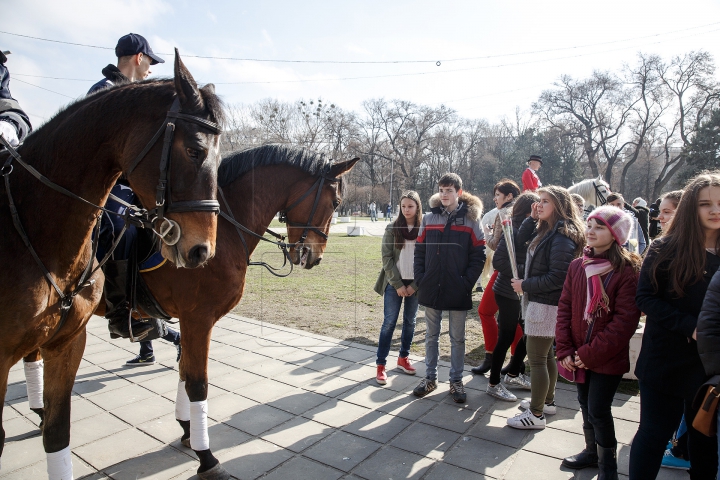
{"points": [[257, 183], [84, 149]]}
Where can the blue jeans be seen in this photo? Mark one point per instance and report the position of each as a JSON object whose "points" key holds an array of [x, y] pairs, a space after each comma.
{"points": [[146, 348], [393, 302], [457, 342]]}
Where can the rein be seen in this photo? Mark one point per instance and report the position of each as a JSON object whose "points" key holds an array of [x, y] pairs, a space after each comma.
{"points": [[283, 218], [134, 215]]}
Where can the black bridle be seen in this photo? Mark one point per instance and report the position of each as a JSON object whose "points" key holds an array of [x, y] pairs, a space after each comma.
{"points": [[598, 194], [308, 227], [280, 239], [134, 215], [163, 197]]}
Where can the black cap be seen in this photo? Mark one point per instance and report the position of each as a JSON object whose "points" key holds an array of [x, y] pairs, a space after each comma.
{"points": [[132, 44], [3, 56], [536, 158]]}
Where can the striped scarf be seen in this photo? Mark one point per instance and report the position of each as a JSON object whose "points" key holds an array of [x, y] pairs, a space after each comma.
{"points": [[597, 299]]}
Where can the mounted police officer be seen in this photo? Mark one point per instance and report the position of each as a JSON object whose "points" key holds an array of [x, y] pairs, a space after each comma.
{"points": [[14, 123], [135, 57]]}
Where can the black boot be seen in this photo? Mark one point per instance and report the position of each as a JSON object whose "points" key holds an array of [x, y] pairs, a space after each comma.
{"points": [[117, 309], [607, 463], [506, 369], [484, 367], [586, 458]]}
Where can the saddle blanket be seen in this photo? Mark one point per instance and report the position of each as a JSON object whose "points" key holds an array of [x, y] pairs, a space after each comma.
{"points": [[155, 261]]}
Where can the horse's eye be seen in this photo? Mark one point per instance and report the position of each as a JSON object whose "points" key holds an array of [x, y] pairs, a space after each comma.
{"points": [[192, 153], [336, 204]]}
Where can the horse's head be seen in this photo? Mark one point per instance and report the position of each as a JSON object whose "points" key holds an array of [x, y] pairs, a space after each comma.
{"points": [[602, 190], [310, 208], [188, 146]]}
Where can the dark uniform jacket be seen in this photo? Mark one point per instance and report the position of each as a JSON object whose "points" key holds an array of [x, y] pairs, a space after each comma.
{"points": [[10, 110], [449, 254], [113, 76]]}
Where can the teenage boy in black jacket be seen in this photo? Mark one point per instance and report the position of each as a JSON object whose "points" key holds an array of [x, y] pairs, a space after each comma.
{"points": [[449, 258]]}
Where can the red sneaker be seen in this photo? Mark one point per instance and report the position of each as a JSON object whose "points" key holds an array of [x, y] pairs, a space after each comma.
{"points": [[404, 365], [381, 376]]}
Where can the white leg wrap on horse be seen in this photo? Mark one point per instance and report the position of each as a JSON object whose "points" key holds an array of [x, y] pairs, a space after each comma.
{"points": [[182, 403], [199, 439], [34, 382], [59, 465]]}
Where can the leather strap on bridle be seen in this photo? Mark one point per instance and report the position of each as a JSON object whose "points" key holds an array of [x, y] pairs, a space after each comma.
{"points": [[283, 218], [308, 227], [598, 195]]}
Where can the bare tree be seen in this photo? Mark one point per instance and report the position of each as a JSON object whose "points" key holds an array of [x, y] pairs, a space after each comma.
{"points": [[690, 82], [592, 111]]}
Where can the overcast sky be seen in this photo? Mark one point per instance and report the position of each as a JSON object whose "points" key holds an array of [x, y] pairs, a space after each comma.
{"points": [[494, 56]]}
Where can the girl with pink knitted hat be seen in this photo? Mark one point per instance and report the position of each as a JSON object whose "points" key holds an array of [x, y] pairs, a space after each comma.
{"points": [[596, 319]]}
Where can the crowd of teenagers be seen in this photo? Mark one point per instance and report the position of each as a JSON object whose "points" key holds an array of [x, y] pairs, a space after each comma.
{"points": [[567, 291]]}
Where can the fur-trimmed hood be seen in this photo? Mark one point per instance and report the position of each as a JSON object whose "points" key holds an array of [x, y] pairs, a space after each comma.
{"points": [[474, 205]]}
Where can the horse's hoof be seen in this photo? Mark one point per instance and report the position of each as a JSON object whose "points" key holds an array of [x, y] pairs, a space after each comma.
{"points": [[186, 442], [215, 473]]}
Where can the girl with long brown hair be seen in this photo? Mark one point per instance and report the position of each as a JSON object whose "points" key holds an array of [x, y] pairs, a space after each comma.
{"points": [[673, 281], [554, 234], [396, 283]]}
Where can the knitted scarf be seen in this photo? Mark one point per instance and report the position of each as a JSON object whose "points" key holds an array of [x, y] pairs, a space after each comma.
{"points": [[597, 299], [410, 234]]}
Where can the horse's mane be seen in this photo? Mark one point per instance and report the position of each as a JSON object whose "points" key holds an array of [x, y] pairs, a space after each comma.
{"points": [[236, 164], [158, 87]]}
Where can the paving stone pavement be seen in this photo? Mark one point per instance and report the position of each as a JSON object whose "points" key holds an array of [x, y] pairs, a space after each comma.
{"points": [[285, 404]]}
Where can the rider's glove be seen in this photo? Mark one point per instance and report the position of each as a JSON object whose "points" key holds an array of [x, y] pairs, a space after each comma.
{"points": [[8, 131]]}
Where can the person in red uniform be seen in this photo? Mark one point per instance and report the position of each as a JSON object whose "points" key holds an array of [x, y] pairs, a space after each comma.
{"points": [[530, 179]]}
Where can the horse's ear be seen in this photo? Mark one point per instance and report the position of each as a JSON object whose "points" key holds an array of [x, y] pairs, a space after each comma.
{"points": [[186, 87], [339, 169], [209, 88]]}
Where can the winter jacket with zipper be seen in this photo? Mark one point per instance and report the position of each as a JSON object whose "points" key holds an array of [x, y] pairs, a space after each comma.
{"points": [[449, 254], [390, 274], [669, 359], [708, 328], [608, 350], [549, 264]]}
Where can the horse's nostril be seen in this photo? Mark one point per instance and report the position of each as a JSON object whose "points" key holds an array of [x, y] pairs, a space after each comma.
{"points": [[198, 254], [317, 262]]}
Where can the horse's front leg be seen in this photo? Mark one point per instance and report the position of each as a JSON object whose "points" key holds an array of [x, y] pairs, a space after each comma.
{"points": [[61, 365], [191, 407], [5, 365], [33, 365]]}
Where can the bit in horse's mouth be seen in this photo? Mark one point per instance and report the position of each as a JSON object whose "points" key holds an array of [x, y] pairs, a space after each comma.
{"points": [[304, 254]]}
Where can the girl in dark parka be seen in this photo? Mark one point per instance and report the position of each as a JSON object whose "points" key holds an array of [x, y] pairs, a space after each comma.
{"points": [[673, 281]]}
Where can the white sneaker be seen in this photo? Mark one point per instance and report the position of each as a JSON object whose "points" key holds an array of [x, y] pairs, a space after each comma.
{"points": [[548, 409], [527, 421], [501, 393], [521, 381]]}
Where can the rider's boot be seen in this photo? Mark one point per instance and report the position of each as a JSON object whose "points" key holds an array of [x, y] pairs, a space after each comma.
{"points": [[117, 305]]}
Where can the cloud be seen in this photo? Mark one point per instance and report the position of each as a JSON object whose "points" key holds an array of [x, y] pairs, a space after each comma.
{"points": [[212, 17]]}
